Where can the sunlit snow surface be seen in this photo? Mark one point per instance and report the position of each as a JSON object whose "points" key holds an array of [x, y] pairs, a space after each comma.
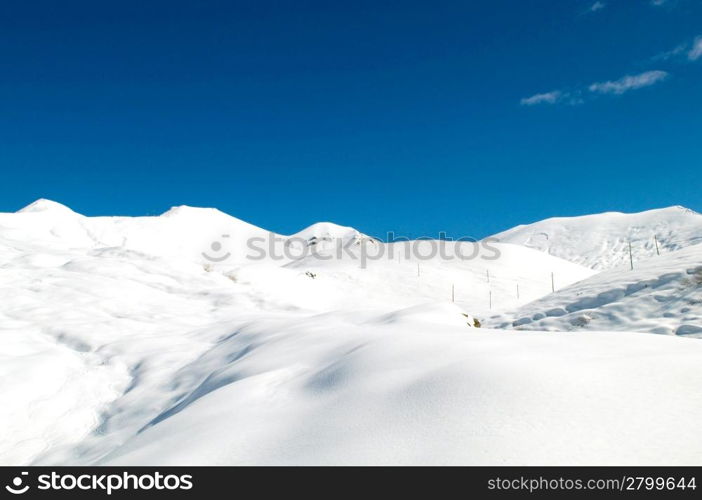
{"points": [[121, 344], [663, 294]]}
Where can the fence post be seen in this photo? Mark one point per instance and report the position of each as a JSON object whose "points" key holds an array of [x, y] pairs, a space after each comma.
{"points": [[453, 293], [655, 239], [553, 284]]}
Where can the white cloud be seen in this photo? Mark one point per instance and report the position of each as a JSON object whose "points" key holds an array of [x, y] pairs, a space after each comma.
{"points": [[554, 97], [696, 50], [669, 54], [616, 87], [688, 50], [658, 3], [629, 82], [597, 6], [545, 98]]}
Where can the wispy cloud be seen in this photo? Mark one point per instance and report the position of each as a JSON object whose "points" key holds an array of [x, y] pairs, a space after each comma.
{"points": [[628, 82], [554, 97], [658, 3], [614, 87], [670, 54], [696, 50], [690, 51], [546, 98], [597, 6]]}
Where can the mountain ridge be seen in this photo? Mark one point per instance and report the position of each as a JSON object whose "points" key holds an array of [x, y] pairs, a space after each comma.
{"points": [[601, 241]]}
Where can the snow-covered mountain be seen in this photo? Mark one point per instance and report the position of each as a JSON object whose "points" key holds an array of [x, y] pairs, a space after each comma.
{"points": [[398, 274], [130, 340], [328, 231], [601, 241]]}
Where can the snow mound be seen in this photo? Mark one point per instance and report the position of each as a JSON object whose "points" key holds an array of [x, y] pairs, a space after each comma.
{"points": [[430, 314], [601, 241]]}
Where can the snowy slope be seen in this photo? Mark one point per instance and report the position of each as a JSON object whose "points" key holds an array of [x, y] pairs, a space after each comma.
{"points": [[402, 277], [121, 343], [662, 295], [601, 241], [334, 390]]}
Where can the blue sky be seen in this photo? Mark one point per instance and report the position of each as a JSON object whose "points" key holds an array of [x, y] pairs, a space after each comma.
{"points": [[467, 117]]}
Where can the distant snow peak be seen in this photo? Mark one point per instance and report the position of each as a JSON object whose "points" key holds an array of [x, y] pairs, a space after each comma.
{"points": [[185, 210], [44, 205], [325, 232]]}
